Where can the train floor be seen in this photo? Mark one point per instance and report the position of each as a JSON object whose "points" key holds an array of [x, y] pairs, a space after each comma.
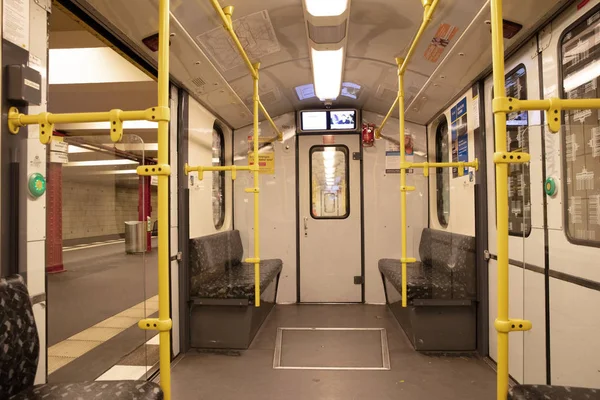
{"points": [[250, 374], [93, 310]]}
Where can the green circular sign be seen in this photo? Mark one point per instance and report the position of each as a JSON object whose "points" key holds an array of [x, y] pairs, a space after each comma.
{"points": [[550, 187], [36, 184]]}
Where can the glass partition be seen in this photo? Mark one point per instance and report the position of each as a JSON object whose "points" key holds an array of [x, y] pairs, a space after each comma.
{"points": [[101, 259]]}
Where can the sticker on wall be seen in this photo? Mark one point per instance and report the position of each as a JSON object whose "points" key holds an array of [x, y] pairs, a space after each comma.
{"points": [[460, 135], [440, 41], [15, 22], [266, 154], [392, 155]]}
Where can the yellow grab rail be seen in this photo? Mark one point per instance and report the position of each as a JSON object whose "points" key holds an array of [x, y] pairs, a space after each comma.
{"points": [[116, 117], [503, 323], [226, 17]]}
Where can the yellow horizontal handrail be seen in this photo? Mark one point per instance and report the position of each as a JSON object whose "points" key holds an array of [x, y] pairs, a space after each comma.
{"points": [[213, 168]]}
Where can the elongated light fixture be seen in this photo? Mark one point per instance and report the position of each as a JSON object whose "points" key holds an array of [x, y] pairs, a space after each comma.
{"points": [[327, 31], [327, 72], [326, 8]]}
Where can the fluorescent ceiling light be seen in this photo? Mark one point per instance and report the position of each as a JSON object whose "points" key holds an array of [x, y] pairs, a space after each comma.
{"points": [[328, 163], [327, 72], [72, 149], [329, 170], [99, 163], [583, 76], [326, 8]]}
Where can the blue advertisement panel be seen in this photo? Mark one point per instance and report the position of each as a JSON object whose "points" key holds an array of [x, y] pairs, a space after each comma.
{"points": [[460, 135]]}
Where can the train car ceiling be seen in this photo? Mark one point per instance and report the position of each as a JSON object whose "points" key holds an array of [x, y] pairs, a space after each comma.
{"points": [[273, 32]]}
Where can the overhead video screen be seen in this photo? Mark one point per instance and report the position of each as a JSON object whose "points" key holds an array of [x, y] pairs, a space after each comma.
{"points": [[342, 119], [328, 120], [314, 120]]}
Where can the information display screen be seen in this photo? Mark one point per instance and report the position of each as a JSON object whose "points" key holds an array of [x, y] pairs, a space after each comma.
{"points": [[314, 120], [328, 120], [342, 119]]}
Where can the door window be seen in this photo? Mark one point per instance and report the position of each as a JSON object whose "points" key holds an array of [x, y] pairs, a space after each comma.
{"points": [[218, 185], [580, 54], [329, 182]]}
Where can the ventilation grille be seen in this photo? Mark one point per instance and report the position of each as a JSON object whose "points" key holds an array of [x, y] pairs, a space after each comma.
{"points": [[387, 94], [269, 97], [199, 82], [327, 34]]}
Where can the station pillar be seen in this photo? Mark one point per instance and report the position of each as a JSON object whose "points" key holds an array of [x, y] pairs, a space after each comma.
{"points": [[54, 238], [145, 206]]}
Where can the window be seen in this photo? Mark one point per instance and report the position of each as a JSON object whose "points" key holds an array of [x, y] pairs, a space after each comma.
{"points": [[218, 187], [580, 55], [329, 189], [442, 177], [517, 139]]}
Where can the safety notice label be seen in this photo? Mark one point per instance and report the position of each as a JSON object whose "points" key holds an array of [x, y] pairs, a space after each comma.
{"points": [[266, 155], [15, 22], [442, 37]]}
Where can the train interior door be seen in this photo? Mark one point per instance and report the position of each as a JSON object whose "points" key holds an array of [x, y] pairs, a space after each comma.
{"points": [[573, 165], [329, 228]]}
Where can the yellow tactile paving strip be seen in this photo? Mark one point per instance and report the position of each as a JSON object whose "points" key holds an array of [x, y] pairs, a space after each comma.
{"points": [[77, 345]]}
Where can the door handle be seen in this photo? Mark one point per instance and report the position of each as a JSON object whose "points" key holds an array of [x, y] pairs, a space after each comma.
{"points": [[305, 226]]}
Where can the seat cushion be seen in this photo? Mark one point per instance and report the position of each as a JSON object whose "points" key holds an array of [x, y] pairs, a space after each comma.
{"points": [[106, 390], [19, 343], [237, 281], [418, 281], [211, 255], [545, 392]]}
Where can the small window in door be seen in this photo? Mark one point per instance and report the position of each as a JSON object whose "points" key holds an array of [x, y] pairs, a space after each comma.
{"points": [[580, 57], [329, 188]]}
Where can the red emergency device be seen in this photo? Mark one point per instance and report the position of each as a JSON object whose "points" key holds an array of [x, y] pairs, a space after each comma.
{"points": [[368, 135]]}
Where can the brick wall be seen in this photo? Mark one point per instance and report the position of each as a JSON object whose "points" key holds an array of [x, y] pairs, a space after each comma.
{"points": [[99, 209]]}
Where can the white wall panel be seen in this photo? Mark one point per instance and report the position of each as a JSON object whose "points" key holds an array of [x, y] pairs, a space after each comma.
{"points": [[382, 206], [277, 203], [462, 189], [201, 124]]}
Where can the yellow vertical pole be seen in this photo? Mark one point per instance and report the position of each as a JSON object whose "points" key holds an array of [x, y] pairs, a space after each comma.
{"points": [[256, 192], [501, 198], [400, 61], [163, 200]]}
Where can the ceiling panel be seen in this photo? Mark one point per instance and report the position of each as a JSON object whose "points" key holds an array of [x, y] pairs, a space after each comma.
{"points": [[378, 31]]}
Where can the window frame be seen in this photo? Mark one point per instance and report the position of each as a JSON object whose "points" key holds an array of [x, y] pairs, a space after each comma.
{"points": [[563, 141], [514, 233], [321, 148], [440, 172], [220, 175]]}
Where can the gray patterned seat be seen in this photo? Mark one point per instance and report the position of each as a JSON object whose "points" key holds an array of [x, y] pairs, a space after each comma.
{"points": [[545, 392], [19, 353], [447, 269], [217, 270]]}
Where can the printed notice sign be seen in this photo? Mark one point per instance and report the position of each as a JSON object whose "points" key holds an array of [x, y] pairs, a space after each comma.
{"points": [[266, 155], [460, 135], [438, 44], [15, 22], [392, 157]]}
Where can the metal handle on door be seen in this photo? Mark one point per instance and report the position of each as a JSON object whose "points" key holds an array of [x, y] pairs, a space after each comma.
{"points": [[305, 226]]}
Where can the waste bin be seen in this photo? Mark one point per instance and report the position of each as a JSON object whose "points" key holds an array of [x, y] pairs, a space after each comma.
{"points": [[135, 237]]}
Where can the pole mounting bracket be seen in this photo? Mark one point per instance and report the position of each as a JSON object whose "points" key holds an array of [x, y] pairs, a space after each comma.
{"points": [[512, 325], [150, 170], [155, 324], [511, 157], [408, 260]]}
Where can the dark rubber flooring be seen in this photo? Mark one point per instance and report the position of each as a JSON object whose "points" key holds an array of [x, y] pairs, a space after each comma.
{"points": [[249, 375], [99, 283]]}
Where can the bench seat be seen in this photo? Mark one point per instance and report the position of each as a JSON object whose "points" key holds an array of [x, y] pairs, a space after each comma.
{"points": [[546, 392], [222, 292], [237, 281], [108, 390], [441, 292], [20, 354]]}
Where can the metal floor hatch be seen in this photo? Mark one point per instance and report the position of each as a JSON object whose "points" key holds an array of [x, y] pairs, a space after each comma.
{"points": [[362, 349]]}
